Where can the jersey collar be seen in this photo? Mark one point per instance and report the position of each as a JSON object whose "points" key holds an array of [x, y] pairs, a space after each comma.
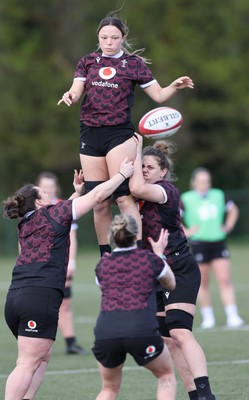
{"points": [[118, 55]]}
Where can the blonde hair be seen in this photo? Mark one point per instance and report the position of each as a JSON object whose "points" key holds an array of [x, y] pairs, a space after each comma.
{"points": [[123, 231]]}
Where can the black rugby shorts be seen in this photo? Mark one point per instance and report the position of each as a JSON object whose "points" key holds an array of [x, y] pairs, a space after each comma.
{"points": [[188, 279], [98, 141], [204, 252], [112, 352], [33, 311]]}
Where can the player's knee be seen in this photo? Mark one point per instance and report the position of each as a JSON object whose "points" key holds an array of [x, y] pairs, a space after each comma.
{"points": [[167, 380]]}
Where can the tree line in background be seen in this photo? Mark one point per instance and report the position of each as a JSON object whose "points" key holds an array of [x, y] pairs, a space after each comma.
{"points": [[41, 42]]}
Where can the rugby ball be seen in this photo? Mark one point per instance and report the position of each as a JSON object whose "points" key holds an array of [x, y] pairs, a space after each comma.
{"points": [[160, 123]]}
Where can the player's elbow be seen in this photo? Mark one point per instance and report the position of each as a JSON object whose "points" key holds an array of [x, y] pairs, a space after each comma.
{"points": [[100, 195], [135, 189]]}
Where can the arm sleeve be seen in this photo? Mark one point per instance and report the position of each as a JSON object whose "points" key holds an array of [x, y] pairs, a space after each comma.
{"points": [[80, 72], [164, 194], [62, 212], [163, 272], [74, 210], [145, 77]]}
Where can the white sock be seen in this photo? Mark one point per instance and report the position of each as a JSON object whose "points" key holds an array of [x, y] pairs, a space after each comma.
{"points": [[207, 313], [231, 311]]}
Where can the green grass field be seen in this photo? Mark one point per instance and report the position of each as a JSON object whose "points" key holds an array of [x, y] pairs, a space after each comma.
{"points": [[74, 376]]}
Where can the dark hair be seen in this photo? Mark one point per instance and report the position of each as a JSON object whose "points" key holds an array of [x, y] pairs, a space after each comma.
{"points": [[49, 175], [22, 201], [123, 231], [114, 20], [161, 150]]}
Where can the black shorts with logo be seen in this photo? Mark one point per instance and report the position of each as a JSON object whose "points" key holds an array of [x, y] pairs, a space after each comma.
{"points": [[112, 352], [33, 311], [188, 279], [98, 141], [204, 252]]}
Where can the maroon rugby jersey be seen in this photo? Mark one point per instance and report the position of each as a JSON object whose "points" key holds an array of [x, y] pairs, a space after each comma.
{"points": [[44, 242], [128, 280], [109, 87], [157, 216]]}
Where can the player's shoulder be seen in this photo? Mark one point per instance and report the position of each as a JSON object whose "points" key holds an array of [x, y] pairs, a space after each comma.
{"points": [[167, 186], [89, 57], [133, 57], [216, 191]]}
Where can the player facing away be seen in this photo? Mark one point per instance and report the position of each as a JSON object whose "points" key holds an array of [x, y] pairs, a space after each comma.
{"points": [[49, 183], [38, 278], [127, 323]]}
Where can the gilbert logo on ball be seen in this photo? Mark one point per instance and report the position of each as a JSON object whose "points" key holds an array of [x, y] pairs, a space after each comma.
{"points": [[160, 123]]}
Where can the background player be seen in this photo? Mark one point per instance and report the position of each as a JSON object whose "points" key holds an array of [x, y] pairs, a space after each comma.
{"points": [[209, 216]]}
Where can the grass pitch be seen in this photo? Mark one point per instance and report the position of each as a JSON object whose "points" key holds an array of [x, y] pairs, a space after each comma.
{"points": [[74, 376]]}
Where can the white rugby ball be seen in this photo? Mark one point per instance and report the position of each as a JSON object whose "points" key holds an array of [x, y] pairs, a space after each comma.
{"points": [[160, 123]]}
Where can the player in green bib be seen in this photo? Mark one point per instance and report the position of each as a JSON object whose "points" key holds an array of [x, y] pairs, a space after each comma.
{"points": [[209, 216]]}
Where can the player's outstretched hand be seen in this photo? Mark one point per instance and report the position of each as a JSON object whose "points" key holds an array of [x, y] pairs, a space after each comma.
{"points": [[67, 98], [183, 82]]}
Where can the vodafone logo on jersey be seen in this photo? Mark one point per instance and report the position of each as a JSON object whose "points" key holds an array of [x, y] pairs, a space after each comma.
{"points": [[107, 72]]}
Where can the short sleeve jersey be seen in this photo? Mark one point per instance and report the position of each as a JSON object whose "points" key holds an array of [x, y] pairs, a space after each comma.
{"points": [[207, 212], [44, 242], [156, 216], [109, 87], [128, 282]]}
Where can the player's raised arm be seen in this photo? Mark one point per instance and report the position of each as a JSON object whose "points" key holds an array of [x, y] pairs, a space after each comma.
{"points": [[85, 203], [160, 95]]}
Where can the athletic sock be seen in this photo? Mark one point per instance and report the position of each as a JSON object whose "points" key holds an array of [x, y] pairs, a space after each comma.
{"points": [[231, 311], [193, 395], [207, 313], [203, 388], [104, 248], [70, 341]]}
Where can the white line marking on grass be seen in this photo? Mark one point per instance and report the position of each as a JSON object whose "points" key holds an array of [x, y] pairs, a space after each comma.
{"points": [[128, 369]]}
